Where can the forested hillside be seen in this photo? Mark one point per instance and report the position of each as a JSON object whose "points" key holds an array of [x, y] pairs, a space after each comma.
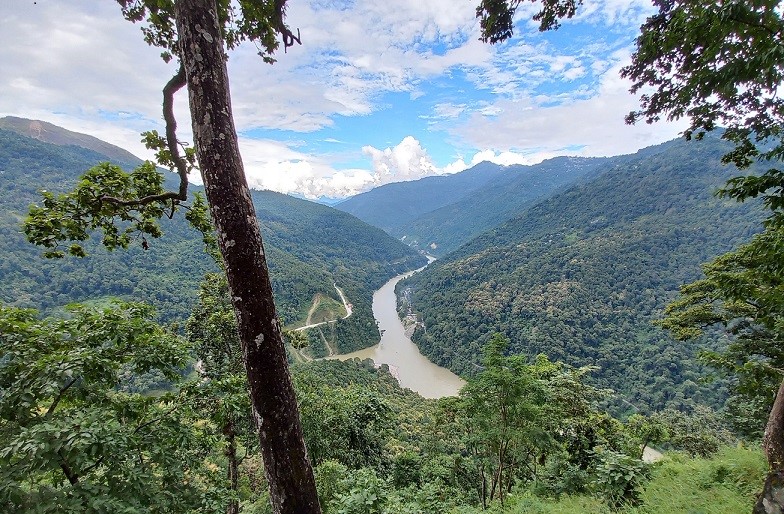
{"points": [[375, 447], [439, 214], [310, 247], [394, 205], [581, 276], [49, 133], [446, 229]]}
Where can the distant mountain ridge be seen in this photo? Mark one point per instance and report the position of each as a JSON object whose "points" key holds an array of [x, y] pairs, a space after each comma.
{"points": [[309, 248], [392, 205], [49, 133], [438, 214], [445, 229], [580, 275]]}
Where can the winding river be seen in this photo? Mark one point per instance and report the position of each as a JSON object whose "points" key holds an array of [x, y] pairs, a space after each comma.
{"points": [[411, 368]]}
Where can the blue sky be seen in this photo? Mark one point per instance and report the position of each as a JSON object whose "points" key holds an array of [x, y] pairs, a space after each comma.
{"points": [[380, 90]]}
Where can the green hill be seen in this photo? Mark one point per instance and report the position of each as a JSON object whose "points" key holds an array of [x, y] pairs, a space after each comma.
{"points": [[48, 133], [310, 247], [581, 275]]}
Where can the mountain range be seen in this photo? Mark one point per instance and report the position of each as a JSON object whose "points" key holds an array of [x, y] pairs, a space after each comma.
{"points": [[438, 214], [573, 257]]}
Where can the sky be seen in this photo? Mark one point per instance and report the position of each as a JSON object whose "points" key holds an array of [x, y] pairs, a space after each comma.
{"points": [[379, 91]]}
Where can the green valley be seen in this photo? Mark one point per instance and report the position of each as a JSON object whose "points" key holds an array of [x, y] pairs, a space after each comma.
{"points": [[582, 275], [310, 248], [433, 261]]}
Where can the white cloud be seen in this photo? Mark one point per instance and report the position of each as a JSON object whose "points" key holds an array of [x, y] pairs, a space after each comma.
{"points": [[446, 110], [276, 166], [542, 129], [80, 65], [406, 161]]}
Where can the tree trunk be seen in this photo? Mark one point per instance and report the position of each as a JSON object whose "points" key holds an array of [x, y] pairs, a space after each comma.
{"points": [[286, 465], [233, 468], [771, 501], [484, 488]]}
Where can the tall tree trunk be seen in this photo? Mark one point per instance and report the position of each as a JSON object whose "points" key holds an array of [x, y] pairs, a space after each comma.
{"points": [[771, 501], [484, 487], [233, 468], [286, 465]]}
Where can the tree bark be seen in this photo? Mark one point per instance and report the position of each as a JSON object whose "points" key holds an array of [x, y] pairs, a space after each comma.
{"points": [[286, 465], [771, 501]]}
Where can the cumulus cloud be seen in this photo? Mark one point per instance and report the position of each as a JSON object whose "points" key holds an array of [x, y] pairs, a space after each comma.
{"points": [[592, 126], [68, 63], [276, 166], [410, 161], [405, 161]]}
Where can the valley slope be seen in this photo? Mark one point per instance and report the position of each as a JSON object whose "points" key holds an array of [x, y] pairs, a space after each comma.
{"points": [[310, 247], [392, 206], [580, 276]]}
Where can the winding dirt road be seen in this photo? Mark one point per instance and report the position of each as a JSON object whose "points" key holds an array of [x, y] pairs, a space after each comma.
{"points": [[346, 305]]}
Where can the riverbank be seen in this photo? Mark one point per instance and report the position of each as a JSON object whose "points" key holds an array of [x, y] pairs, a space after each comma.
{"points": [[413, 370]]}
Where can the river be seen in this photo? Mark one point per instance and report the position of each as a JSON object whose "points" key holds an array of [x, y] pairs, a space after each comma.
{"points": [[412, 369]]}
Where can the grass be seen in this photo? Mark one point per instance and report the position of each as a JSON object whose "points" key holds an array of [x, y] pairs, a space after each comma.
{"points": [[328, 309], [726, 483]]}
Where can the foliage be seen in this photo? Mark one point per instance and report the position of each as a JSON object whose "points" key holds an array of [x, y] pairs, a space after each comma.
{"points": [[245, 21], [699, 433], [349, 425], [497, 16], [221, 394], [720, 65], [212, 330], [74, 216], [71, 442], [525, 423], [717, 65], [364, 494], [309, 248], [508, 413], [432, 472], [619, 478], [646, 431], [742, 290], [397, 452], [27, 280]]}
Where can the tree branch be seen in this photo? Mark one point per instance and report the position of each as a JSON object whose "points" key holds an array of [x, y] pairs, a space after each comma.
{"points": [[56, 401], [72, 477], [759, 25], [175, 84], [155, 420], [288, 37], [92, 466], [137, 202]]}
